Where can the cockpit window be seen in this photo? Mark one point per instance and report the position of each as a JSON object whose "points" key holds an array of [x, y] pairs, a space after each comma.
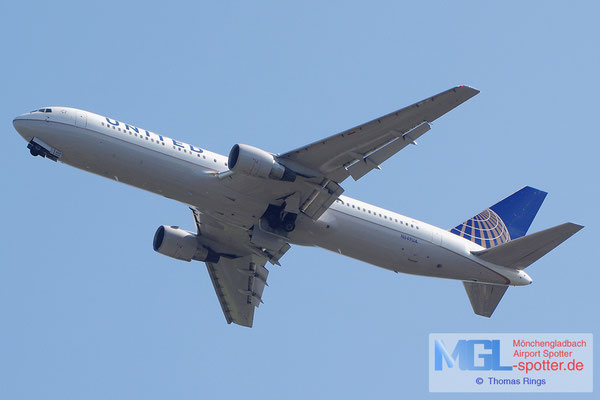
{"points": [[48, 110], [44, 110]]}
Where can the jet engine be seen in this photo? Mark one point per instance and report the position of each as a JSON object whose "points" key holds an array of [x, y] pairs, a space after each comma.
{"points": [[251, 161], [180, 244]]}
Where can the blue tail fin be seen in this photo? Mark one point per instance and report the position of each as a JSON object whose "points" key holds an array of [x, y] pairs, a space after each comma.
{"points": [[504, 221]]}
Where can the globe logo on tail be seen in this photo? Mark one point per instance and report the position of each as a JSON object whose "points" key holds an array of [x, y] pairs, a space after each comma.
{"points": [[486, 229]]}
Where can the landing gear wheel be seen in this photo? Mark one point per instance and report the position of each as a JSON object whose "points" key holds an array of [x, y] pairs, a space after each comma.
{"points": [[34, 152], [289, 226], [278, 219], [289, 222]]}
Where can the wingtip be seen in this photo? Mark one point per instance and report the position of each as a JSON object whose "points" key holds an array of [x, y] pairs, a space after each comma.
{"points": [[470, 88], [576, 227]]}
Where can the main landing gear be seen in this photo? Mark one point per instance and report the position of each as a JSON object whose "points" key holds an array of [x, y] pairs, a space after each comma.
{"points": [[277, 218], [289, 222]]}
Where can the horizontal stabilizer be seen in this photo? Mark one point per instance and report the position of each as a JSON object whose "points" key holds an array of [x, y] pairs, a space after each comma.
{"points": [[484, 297], [522, 252]]}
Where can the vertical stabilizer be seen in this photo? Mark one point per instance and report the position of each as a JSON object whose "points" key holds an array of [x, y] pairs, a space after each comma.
{"points": [[504, 221]]}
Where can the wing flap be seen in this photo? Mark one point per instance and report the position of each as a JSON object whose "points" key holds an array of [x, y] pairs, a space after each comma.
{"points": [[377, 157], [321, 198]]}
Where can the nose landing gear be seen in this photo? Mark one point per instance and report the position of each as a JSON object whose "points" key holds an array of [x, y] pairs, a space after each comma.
{"points": [[38, 148], [35, 150]]}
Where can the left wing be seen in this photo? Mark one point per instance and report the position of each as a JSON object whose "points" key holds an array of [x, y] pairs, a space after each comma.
{"points": [[239, 277], [239, 284]]}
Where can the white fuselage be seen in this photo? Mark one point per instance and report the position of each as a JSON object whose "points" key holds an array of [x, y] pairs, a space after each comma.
{"points": [[188, 174]]}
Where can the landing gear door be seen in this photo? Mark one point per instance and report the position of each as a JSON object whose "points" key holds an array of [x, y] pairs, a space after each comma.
{"points": [[81, 118]]}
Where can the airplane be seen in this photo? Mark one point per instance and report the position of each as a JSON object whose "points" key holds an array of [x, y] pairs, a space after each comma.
{"points": [[250, 206]]}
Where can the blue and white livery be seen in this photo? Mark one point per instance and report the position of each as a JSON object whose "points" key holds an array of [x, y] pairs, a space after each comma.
{"points": [[250, 206]]}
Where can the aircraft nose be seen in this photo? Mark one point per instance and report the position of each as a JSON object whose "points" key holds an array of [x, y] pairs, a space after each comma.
{"points": [[25, 124], [20, 122]]}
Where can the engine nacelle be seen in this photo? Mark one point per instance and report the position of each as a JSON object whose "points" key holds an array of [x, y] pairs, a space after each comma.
{"points": [[182, 245], [256, 162]]}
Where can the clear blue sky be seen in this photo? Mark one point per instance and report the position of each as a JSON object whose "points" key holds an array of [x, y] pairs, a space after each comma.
{"points": [[89, 311]]}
